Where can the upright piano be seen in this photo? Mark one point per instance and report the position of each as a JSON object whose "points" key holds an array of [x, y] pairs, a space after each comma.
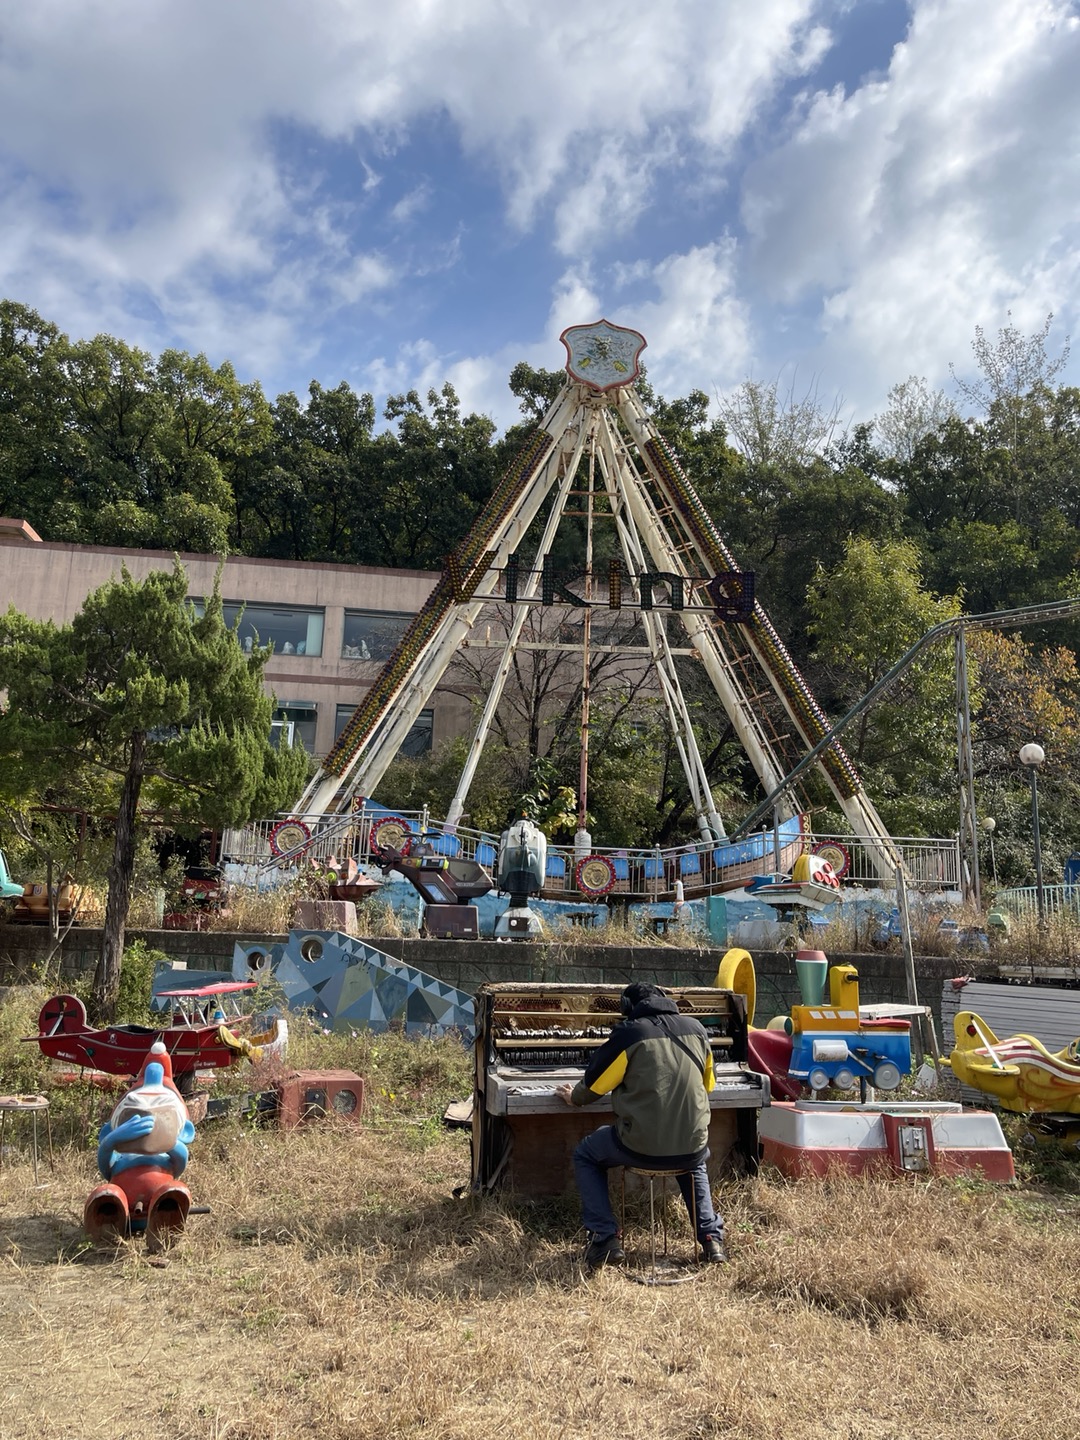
{"points": [[532, 1038]]}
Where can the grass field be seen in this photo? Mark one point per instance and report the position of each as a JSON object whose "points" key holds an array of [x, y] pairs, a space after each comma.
{"points": [[338, 1289]]}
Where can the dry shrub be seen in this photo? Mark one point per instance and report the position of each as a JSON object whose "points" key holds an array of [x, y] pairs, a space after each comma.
{"points": [[258, 912], [378, 920]]}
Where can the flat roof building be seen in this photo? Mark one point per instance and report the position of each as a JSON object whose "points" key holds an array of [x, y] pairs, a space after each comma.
{"points": [[331, 625]]}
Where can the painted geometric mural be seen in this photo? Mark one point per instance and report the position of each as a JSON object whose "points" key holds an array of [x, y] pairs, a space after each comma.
{"points": [[348, 984]]}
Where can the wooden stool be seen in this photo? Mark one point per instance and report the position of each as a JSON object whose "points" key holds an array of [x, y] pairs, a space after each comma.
{"points": [[663, 1270], [33, 1105]]}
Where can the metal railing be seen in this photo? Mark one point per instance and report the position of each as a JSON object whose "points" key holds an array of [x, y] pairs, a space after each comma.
{"points": [[703, 868], [931, 863], [1024, 900]]}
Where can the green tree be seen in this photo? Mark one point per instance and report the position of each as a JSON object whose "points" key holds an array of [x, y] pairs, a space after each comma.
{"points": [[159, 705], [429, 476], [308, 495], [867, 613], [37, 443], [159, 443], [1027, 692]]}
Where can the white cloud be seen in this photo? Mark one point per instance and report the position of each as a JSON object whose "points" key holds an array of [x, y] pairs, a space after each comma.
{"points": [[933, 199], [150, 142], [412, 204], [696, 328], [234, 178]]}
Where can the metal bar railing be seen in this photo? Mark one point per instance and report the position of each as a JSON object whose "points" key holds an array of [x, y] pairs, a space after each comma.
{"points": [[1024, 900], [702, 867]]}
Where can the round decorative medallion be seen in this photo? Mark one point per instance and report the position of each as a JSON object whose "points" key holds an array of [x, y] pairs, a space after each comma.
{"points": [[289, 836], [391, 833], [836, 854], [595, 875]]}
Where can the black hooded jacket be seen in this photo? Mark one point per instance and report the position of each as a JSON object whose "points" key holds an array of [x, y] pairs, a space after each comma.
{"points": [[657, 1066]]}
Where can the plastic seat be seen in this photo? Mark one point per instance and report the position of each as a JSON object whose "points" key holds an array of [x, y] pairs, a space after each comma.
{"points": [[485, 854], [690, 864]]}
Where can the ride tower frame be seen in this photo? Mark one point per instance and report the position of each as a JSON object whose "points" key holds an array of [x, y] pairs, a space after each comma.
{"points": [[675, 569]]}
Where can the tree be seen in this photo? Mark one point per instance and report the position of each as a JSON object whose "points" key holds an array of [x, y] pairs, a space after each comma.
{"points": [[308, 494], [867, 613], [156, 703], [1012, 366], [428, 479], [914, 411], [37, 444], [159, 442], [772, 429], [1027, 692]]}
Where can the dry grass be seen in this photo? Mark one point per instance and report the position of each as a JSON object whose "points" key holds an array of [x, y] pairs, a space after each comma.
{"points": [[338, 1289]]}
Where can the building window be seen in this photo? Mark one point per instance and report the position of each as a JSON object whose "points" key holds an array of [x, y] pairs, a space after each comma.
{"points": [[418, 740], [290, 630], [372, 634], [303, 716]]}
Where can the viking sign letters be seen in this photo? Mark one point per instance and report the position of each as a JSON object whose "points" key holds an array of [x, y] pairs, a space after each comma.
{"points": [[729, 597]]}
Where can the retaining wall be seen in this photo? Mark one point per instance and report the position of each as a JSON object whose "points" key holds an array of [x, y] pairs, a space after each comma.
{"points": [[469, 963]]}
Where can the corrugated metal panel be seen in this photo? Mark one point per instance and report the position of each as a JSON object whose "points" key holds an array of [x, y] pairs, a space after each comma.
{"points": [[1048, 1012]]}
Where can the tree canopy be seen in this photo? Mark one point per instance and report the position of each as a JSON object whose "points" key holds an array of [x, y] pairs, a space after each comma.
{"points": [[152, 705]]}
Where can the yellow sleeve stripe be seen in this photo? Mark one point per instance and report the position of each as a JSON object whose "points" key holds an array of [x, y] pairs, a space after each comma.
{"points": [[606, 1081], [709, 1074]]}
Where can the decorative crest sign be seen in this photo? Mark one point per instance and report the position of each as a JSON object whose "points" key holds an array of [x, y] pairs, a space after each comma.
{"points": [[602, 356]]}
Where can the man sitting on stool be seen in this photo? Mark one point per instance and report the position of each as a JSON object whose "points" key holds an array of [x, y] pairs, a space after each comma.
{"points": [[657, 1066]]}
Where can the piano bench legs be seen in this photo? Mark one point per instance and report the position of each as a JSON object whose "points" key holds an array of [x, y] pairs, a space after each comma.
{"points": [[662, 1269]]}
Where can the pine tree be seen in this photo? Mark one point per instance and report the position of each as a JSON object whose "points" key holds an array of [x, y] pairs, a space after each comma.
{"points": [[156, 703]]}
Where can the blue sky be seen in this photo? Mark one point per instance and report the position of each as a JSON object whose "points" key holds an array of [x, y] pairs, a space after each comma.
{"points": [[828, 193]]}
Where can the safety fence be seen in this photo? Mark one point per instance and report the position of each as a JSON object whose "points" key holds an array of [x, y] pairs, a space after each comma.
{"points": [[702, 868]]}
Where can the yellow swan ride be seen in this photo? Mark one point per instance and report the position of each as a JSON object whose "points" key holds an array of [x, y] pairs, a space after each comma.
{"points": [[1021, 1074]]}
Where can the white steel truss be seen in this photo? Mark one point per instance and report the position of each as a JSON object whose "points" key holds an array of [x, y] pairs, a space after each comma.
{"points": [[601, 438]]}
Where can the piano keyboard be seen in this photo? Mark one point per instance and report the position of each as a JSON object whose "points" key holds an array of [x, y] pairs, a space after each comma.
{"points": [[520, 1095]]}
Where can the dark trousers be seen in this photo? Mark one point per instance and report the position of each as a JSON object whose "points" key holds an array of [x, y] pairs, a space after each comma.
{"points": [[601, 1151]]}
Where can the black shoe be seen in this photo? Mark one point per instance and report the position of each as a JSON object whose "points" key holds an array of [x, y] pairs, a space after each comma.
{"points": [[608, 1251], [712, 1251]]}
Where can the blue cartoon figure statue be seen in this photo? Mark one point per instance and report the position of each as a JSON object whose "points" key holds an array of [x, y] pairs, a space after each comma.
{"points": [[142, 1151]]}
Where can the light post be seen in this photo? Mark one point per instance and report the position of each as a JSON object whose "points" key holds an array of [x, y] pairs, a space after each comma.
{"points": [[1032, 756], [990, 825]]}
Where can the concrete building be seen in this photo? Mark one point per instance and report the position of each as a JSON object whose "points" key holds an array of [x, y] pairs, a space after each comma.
{"points": [[331, 626]]}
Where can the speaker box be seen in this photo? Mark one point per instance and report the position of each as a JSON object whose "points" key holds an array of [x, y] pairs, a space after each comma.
{"points": [[310, 1095]]}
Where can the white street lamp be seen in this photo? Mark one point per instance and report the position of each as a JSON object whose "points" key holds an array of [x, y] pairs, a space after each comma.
{"points": [[989, 824], [1031, 757]]}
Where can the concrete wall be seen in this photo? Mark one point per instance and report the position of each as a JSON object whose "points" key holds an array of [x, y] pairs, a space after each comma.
{"points": [[468, 964]]}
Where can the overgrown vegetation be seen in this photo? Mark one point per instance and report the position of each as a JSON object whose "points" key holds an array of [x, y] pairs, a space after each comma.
{"points": [[338, 1288]]}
